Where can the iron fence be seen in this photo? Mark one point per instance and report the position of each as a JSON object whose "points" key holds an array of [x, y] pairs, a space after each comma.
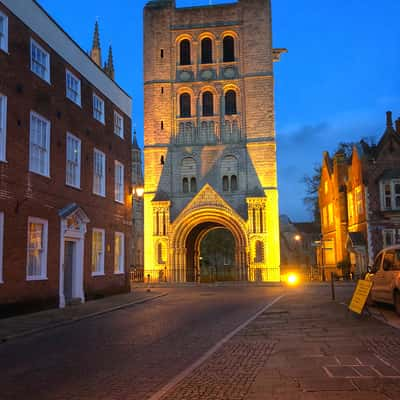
{"points": [[206, 275]]}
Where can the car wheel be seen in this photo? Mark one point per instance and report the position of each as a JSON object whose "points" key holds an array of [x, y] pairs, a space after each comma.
{"points": [[397, 302]]}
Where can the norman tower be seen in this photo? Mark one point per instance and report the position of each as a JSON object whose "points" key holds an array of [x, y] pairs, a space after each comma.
{"points": [[210, 151]]}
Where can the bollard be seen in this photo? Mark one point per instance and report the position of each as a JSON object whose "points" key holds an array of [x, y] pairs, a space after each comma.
{"points": [[332, 286], [148, 282]]}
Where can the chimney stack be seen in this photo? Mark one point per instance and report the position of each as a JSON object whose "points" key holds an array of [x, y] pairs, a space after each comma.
{"points": [[389, 121]]}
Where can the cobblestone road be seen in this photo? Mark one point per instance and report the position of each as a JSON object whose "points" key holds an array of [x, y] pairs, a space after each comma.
{"points": [[305, 347]]}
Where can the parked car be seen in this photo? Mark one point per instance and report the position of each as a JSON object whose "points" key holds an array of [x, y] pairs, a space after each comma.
{"points": [[385, 276]]}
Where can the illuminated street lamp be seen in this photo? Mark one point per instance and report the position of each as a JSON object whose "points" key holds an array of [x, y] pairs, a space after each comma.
{"points": [[137, 191]]}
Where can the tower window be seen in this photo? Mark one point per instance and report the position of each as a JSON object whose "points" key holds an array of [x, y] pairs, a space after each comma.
{"points": [[185, 52], [234, 183], [193, 185], [225, 183], [229, 49], [206, 51], [162, 90], [162, 125], [208, 104], [230, 102], [162, 160], [162, 53], [185, 185], [184, 105]]}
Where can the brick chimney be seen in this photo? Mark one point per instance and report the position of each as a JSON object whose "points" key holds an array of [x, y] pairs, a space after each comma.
{"points": [[398, 126]]}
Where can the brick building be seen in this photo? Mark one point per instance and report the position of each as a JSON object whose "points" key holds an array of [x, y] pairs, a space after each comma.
{"points": [[363, 194], [210, 149], [65, 165]]}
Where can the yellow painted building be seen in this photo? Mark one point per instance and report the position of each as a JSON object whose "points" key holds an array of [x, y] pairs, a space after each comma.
{"points": [[210, 149]]}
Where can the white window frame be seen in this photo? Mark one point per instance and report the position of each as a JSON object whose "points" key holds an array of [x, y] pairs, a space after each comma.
{"points": [[118, 127], [100, 271], [3, 127], [391, 232], [119, 263], [76, 184], [43, 275], [102, 189], [1, 245], [101, 112], [392, 183], [69, 91], [4, 34], [119, 187], [33, 168], [46, 66]]}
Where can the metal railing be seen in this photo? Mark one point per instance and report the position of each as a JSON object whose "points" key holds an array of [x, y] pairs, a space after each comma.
{"points": [[206, 275]]}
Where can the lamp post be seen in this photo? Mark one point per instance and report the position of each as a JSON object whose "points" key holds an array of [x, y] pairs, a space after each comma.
{"points": [[297, 239]]}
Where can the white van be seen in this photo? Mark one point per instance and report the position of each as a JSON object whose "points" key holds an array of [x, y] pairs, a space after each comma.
{"points": [[385, 275]]}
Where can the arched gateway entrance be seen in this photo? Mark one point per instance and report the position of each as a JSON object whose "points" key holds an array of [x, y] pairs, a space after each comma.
{"points": [[189, 230]]}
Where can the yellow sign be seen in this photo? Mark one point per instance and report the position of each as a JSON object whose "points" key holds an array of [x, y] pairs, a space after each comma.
{"points": [[360, 296]]}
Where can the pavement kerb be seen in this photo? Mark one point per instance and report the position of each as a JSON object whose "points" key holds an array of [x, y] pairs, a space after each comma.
{"points": [[80, 318]]}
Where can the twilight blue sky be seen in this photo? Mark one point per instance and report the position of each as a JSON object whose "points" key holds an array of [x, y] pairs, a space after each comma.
{"points": [[341, 74]]}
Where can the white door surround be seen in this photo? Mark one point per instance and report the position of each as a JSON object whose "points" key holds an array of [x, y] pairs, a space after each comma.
{"points": [[73, 229]]}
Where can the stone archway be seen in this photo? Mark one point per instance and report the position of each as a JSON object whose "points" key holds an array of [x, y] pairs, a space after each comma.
{"points": [[187, 233]]}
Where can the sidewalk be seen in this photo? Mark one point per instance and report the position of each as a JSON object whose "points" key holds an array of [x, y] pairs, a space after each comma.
{"points": [[305, 347], [24, 325]]}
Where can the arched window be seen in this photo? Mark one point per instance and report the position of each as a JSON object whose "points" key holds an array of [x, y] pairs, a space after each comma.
{"points": [[185, 52], [230, 102], [206, 51], [229, 172], [160, 257], [185, 185], [234, 183], [184, 105], [188, 175], [229, 49], [208, 104], [193, 185], [259, 256], [225, 183]]}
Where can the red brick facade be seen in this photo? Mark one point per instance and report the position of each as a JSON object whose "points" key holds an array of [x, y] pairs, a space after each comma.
{"points": [[26, 194], [364, 219]]}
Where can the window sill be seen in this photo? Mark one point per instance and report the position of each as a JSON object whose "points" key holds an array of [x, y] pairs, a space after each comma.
{"points": [[119, 202], [119, 273], [36, 278], [40, 174], [121, 137], [73, 187], [41, 78], [74, 102], [98, 120], [99, 195], [94, 274]]}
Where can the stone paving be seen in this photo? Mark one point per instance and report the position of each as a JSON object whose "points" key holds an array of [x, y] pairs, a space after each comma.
{"points": [[306, 347], [23, 325]]}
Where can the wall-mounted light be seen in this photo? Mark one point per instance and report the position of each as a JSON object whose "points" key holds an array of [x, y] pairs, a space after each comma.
{"points": [[137, 191]]}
